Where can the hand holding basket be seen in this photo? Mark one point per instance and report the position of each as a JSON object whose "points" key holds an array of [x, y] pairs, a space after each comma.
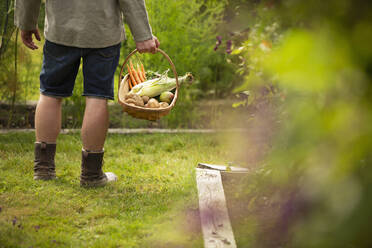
{"points": [[139, 112]]}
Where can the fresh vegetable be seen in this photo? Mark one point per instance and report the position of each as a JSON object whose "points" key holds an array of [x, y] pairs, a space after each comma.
{"points": [[135, 99], [135, 75], [130, 83], [166, 96], [143, 71], [153, 103], [133, 81], [156, 86], [145, 99], [163, 104], [139, 72], [152, 74]]}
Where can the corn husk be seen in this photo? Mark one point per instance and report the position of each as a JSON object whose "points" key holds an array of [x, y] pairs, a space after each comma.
{"points": [[156, 86]]}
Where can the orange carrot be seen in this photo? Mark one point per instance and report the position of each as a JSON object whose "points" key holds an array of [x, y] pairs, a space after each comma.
{"points": [[130, 83], [131, 76], [139, 72], [137, 80], [143, 71]]}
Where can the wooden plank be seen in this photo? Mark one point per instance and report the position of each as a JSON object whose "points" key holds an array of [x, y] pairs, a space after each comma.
{"points": [[223, 168], [215, 221]]}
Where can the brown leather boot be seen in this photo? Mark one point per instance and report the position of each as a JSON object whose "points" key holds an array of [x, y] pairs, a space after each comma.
{"points": [[91, 170], [44, 167]]}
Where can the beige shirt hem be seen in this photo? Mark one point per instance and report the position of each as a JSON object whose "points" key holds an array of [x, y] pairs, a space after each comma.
{"points": [[84, 44]]}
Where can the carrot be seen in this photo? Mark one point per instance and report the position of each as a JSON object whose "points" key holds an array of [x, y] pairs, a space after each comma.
{"points": [[143, 71], [137, 80], [131, 76], [139, 72], [130, 83]]}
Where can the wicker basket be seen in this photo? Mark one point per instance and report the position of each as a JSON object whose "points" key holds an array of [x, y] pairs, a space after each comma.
{"points": [[151, 114]]}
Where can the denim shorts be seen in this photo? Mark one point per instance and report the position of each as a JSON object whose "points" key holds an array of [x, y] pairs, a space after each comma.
{"points": [[61, 65]]}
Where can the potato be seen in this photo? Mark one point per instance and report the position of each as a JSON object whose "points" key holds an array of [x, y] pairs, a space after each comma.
{"points": [[153, 103], [164, 104], [145, 99], [128, 96], [134, 98], [129, 101]]}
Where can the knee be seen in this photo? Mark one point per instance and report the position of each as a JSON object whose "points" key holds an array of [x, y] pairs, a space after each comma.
{"points": [[50, 100], [96, 102]]}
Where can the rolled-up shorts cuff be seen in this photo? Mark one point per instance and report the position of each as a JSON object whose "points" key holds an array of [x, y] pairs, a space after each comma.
{"points": [[54, 94], [99, 96]]}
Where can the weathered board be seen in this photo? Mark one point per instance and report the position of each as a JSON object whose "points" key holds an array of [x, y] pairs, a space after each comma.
{"points": [[215, 222], [223, 168]]}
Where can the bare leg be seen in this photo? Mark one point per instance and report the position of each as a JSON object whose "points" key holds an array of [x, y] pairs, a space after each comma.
{"points": [[93, 134], [48, 119], [95, 124]]}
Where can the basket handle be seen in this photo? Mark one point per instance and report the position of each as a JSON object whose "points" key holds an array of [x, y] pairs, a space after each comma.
{"points": [[170, 62]]}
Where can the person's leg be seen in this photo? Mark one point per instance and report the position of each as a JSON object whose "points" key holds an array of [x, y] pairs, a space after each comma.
{"points": [[48, 119], [95, 124], [99, 67], [93, 134], [57, 78], [47, 127]]}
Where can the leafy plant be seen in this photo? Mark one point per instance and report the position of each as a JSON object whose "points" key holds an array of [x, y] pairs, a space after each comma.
{"points": [[186, 30], [316, 142]]}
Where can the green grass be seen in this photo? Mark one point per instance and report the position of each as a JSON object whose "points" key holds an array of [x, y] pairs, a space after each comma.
{"points": [[154, 203]]}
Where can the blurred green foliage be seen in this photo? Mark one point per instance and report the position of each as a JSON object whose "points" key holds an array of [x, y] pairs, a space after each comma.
{"points": [[7, 75], [187, 32], [316, 175]]}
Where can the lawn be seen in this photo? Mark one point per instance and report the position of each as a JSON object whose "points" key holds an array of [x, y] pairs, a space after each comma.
{"points": [[154, 203]]}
